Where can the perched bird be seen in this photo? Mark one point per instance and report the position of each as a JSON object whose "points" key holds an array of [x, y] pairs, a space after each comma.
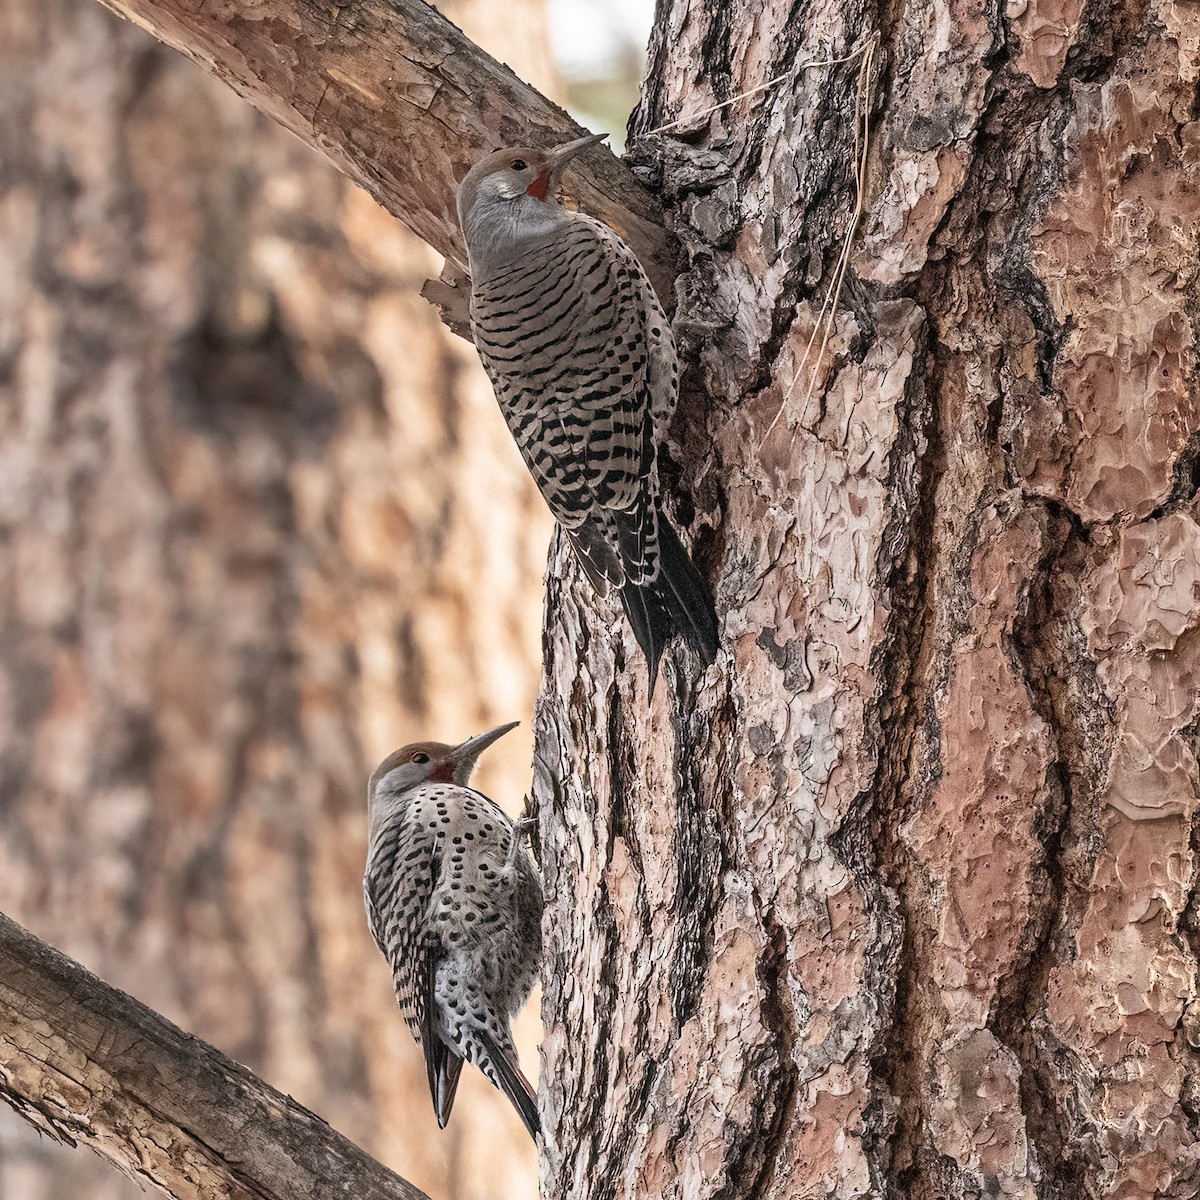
{"points": [[455, 904], [582, 360]]}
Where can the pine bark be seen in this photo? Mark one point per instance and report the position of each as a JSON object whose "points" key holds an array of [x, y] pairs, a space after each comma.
{"points": [[899, 898], [260, 523]]}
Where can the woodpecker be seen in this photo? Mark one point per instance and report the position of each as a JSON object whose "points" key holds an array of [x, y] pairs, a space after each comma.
{"points": [[455, 903], [582, 359]]}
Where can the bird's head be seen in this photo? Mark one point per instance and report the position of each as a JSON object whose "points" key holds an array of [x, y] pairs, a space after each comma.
{"points": [[510, 196], [428, 762]]}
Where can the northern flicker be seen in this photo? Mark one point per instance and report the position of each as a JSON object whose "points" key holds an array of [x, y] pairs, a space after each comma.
{"points": [[455, 903], [582, 359]]}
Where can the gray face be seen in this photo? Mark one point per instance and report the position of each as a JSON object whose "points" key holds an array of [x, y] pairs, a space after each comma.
{"points": [[507, 204], [424, 761], [505, 177], [403, 777], [409, 766]]}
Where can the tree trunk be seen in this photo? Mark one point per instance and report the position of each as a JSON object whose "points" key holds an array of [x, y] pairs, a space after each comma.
{"points": [[260, 522], [898, 898]]}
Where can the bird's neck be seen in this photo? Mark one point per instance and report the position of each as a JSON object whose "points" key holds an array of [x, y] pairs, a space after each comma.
{"points": [[384, 811], [499, 233], [386, 807]]}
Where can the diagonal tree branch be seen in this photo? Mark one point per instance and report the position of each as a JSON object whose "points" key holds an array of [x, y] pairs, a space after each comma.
{"points": [[88, 1064], [401, 101]]}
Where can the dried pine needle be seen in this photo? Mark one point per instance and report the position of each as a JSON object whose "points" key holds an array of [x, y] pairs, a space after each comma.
{"points": [[863, 96], [866, 52], [804, 65]]}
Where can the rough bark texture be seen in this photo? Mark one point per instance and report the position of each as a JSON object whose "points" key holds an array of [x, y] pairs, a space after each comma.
{"points": [[899, 898], [90, 1065], [260, 523], [402, 102]]}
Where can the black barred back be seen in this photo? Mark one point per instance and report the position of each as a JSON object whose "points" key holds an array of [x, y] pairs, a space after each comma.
{"points": [[583, 363], [581, 357]]}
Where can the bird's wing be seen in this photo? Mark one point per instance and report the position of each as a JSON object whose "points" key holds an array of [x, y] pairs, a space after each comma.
{"points": [[596, 555], [618, 447], [404, 865], [574, 348], [374, 916]]}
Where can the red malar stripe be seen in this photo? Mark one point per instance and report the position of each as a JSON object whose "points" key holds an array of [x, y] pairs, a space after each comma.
{"points": [[540, 186]]}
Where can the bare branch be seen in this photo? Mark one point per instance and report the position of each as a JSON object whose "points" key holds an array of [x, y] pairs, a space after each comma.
{"points": [[88, 1064], [401, 101]]}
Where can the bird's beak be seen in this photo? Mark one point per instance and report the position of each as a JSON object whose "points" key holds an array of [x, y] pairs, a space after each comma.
{"points": [[556, 158], [467, 753]]}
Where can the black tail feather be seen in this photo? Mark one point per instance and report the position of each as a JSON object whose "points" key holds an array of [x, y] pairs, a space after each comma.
{"points": [[677, 601], [693, 609], [442, 1065], [646, 621], [514, 1085]]}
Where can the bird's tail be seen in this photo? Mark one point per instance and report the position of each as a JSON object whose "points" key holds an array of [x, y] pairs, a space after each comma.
{"points": [[510, 1080], [442, 1065], [676, 601]]}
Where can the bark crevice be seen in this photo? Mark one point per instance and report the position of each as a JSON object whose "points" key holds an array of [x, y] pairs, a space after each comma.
{"points": [[1037, 650]]}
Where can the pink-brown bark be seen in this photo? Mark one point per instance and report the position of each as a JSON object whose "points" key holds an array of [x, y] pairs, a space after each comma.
{"points": [[900, 895]]}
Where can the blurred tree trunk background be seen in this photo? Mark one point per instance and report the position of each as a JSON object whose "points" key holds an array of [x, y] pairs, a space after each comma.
{"points": [[260, 522]]}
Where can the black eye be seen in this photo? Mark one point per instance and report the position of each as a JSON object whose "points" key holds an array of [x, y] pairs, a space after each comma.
{"points": [[518, 164], [420, 758]]}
